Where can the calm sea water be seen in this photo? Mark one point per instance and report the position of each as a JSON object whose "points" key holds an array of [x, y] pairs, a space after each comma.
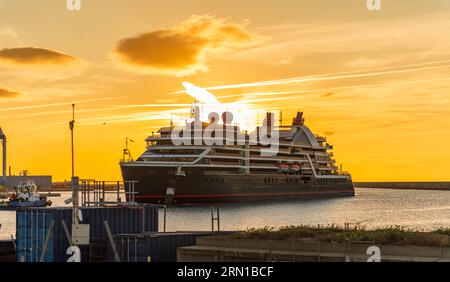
{"points": [[370, 207]]}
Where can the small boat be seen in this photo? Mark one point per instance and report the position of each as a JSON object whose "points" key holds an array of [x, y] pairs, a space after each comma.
{"points": [[3, 193], [25, 196], [296, 167], [283, 167]]}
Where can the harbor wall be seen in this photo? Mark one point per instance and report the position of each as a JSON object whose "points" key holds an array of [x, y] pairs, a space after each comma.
{"points": [[223, 249], [405, 185]]}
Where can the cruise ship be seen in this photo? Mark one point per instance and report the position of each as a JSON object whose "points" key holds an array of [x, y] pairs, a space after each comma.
{"points": [[167, 173]]}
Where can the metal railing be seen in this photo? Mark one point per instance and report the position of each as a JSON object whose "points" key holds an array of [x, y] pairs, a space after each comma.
{"points": [[107, 193]]}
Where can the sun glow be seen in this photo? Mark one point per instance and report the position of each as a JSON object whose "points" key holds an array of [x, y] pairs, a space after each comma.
{"points": [[244, 113]]}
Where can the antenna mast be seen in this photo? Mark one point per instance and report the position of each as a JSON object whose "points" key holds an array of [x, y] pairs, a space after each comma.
{"points": [[72, 125], [3, 141], [126, 151], [75, 180]]}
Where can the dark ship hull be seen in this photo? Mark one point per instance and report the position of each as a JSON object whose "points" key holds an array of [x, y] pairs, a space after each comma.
{"points": [[198, 187]]}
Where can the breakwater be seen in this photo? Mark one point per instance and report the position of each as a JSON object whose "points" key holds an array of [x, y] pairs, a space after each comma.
{"points": [[405, 185]]}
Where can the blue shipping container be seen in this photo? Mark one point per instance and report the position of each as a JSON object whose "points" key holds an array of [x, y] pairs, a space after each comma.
{"points": [[153, 247], [33, 225]]}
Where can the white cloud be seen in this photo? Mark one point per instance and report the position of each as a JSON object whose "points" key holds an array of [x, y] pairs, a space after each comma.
{"points": [[396, 38]]}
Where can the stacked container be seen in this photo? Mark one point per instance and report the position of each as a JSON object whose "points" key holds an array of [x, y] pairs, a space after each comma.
{"points": [[33, 227], [154, 247]]}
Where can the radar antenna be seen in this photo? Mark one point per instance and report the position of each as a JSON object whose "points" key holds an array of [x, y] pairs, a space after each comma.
{"points": [[126, 152]]}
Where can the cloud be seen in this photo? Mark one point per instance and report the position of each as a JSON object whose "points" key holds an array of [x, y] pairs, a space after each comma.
{"points": [[183, 49], [368, 43], [379, 72], [7, 34], [327, 95], [32, 56], [5, 93]]}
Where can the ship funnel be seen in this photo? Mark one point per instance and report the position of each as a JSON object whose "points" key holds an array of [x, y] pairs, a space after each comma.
{"points": [[299, 120], [3, 140]]}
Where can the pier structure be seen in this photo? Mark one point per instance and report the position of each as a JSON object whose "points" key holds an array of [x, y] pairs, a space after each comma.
{"points": [[96, 193]]}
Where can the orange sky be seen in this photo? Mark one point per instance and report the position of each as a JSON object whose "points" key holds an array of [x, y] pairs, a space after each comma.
{"points": [[376, 84]]}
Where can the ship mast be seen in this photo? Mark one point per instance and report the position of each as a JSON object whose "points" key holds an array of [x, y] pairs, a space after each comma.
{"points": [[126, 151]]}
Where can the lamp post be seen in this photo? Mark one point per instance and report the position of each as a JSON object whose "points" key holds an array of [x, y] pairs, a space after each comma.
{"points": [[3, 141], [75, 181]]}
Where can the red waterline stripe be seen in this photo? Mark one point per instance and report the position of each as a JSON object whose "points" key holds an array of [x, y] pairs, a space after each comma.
{"points": [[252, 195]]}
